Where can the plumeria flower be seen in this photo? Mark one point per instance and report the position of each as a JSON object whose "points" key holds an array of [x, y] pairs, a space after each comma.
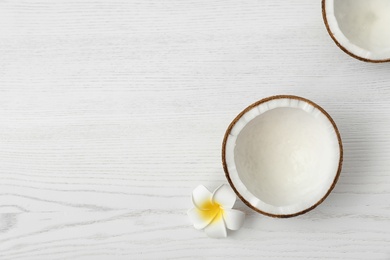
{"points": [[213, 211]]}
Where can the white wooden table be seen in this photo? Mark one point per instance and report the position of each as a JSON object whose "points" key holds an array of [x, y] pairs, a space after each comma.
{"points": [[111, 112]]}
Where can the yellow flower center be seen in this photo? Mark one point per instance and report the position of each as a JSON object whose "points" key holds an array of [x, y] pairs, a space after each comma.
{"points": [[211, 210]]}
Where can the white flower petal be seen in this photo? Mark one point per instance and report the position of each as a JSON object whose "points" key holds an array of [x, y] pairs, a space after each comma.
{"points": [[197, 219], [224, 196], [200, 195], [217, 228], [233, 218]]}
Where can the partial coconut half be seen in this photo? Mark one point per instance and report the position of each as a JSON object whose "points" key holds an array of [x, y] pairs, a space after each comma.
{"points": [[361, 28], [282, 155]]}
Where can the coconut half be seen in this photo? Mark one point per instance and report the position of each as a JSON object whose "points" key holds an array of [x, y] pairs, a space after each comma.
{"points": [[282, 155], [361, 28]]}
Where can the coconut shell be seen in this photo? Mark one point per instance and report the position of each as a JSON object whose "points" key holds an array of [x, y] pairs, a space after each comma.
{"points": [[255, 105]]}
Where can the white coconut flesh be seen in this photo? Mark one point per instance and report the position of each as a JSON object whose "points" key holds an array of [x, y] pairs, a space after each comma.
{"points": [[283, 156], [361, 26]]}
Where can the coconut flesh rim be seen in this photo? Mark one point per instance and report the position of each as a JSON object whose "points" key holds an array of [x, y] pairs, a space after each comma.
{"points": [[362, 27], [282, 156]]}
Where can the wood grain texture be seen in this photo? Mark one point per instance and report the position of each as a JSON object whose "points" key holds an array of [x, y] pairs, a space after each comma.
{"points": [[111, 112]]}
